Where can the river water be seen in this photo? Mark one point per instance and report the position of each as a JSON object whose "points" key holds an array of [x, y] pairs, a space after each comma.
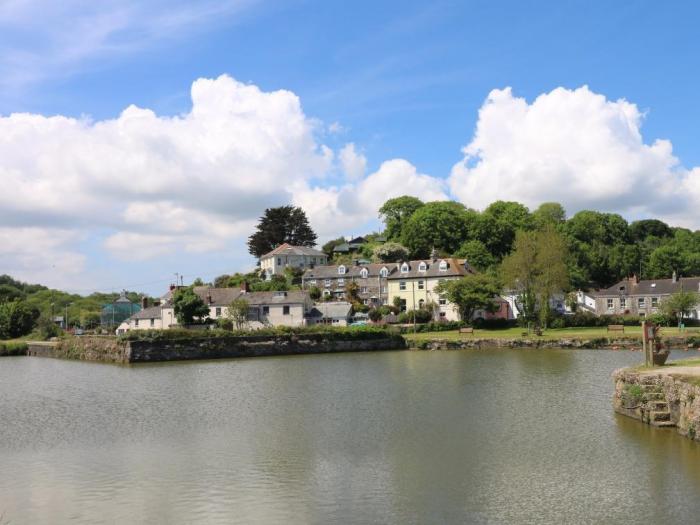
{"points": [[522, 436]]}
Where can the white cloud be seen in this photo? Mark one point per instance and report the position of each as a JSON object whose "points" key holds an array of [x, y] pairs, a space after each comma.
{"points": [[352, 162], [160, 183], [575, 147]]}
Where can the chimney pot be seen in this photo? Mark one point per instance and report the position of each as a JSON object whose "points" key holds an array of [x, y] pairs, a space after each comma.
{"points": [[209, 300], [244, 287], [144, 302]]}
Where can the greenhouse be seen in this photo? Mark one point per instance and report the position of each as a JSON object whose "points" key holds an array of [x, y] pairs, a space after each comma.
{"points": [[119, 310]]}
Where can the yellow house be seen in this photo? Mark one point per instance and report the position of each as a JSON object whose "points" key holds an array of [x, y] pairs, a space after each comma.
{"points": [[415, 281]]}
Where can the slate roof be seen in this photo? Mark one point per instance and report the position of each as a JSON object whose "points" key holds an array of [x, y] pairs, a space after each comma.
{"points": [[335, 310], [351, 271], [288, 249], [650, 287], [154, 312], [455, 268], [224, 296]]}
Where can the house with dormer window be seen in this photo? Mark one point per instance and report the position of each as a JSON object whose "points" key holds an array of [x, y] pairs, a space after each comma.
{"points": [[415, 281], [372, 281], [288, 256]]}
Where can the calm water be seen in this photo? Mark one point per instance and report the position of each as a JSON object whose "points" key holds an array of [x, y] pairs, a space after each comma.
{"points": [[400, 437]]}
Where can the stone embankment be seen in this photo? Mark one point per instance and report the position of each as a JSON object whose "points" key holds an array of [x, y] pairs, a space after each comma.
{"points": [[604, 343], [114, 350], [659, 398]]}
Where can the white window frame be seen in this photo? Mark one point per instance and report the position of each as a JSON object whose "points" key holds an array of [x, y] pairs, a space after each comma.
{"points": [[654, 302], [341, 281], [327, 283], [384, 272], [404, 268], [364, 273], [402, 285], [422, 267], [641, 302], [421, 285], [443, 266], [341, 269], [611, 304]]}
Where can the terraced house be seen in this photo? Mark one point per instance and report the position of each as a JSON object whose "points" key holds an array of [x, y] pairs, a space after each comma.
{"points": [[634, 297], [414, 283], [371, 279], [288, 256]]}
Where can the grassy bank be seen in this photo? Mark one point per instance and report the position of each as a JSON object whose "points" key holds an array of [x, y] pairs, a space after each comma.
{"points": [[13, 348], [552, 334]]}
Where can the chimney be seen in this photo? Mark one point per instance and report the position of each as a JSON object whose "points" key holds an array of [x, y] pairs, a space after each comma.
{"points": [[674, 277], [172, 287], [634, 279], [144, 302], [156, 302], [356, 262], [434, 255], [244, 287]]}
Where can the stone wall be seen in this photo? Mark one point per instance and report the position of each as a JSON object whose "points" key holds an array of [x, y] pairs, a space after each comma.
{"points": [[254, 346], [471, 342], [112, 350], [648, 397]]}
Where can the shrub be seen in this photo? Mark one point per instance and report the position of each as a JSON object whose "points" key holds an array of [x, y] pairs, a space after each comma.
{"points": [[13, 349], [375, 315], [493, 324]]}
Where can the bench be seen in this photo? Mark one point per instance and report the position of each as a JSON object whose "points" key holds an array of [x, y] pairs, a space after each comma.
{"points": [[616, 328], [466, 330]]}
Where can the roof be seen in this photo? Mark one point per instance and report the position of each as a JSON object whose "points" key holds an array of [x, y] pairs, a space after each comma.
{"points": [[358, 240], [351, 271], [334, 310], [345, 247], [455, 268], [154, 312], [630, 287], [225, 296], [288, 249]]}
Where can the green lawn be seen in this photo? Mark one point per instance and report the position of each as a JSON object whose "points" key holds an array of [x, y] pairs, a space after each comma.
{"points": [[554, 333]]}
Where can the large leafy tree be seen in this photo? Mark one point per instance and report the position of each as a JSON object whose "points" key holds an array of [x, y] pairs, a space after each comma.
{"points": [[189, 307], [442, 225], [471, 293], [285, 224], [16, 319], [395, 213], [680, 304], [548, 214], [476, 254], [499, 222], [535, 270], [237, 312]]}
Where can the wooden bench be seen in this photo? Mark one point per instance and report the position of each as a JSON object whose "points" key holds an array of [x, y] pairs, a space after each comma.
{"points": [[616, 328], [466, 330]]}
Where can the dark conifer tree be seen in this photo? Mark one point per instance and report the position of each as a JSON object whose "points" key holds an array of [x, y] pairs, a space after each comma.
{"points": [[285, 224]]}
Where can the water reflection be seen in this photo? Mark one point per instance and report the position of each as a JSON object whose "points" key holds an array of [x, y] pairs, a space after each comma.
{"points": [[505, 436]]}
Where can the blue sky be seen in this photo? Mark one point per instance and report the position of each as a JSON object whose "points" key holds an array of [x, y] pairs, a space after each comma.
{"points": [[398, 80]]}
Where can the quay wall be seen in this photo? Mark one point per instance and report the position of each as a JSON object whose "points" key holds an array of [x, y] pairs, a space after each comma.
{"points": [[659, 400]]}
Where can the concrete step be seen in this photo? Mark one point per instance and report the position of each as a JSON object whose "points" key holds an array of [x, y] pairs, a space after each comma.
{"points": [[663, 424], [660, 415], [658, 404], [651, 396], [651, 388]]}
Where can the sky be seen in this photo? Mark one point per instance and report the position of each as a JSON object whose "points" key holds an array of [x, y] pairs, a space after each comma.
{"points": [[140, 138]]}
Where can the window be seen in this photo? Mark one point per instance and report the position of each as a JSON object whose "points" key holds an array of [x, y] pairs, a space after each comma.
{"points": [[365, 301], [443, 266], [383, 272], [218, 312], [422, 267], [327, 283], [421, 304], [326, 293], [443, 315], [402, 285], [385, 289], [266, 310], [153, 323], [364, 273], [611, 304], [421, 285], [623, 302], [136, 322], [442, 301], [402, 305], [341, 282], [641, 303], [285, 310], [312, 282], [341, 270], [279, 261], [404, 268], [654, 302], [363, 289]]}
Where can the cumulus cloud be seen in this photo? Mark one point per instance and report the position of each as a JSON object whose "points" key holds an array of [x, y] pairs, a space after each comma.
{"points": [[352, 162], [575, 147]]}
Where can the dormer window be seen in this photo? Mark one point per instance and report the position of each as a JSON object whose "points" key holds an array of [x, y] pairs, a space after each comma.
{"points": [[364, 273], [443, 266], [422, 267], [404, 268], [383, 272], [341, 270]]}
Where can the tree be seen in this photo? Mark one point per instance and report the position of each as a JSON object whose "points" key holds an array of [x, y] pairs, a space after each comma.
{"points": [[10, 293], [535, 270], [548, 213], [680, 304], [476, 254], [395, 213], [188, 306], [471, 293], [198, 282], [238, 312], [352, 290], [315, 293], [443, 225], [641, 230], [285, 224], [277, 283], [390, 252], [498, 224], [16, 319]]}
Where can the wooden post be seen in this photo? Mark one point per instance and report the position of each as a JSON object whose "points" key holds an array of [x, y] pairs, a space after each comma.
{"points": [[645, 344]]}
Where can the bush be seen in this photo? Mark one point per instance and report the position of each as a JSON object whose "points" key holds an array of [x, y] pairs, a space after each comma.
{"points": [[13, 349], [375, 315], [494, 324], [420, 316]]}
